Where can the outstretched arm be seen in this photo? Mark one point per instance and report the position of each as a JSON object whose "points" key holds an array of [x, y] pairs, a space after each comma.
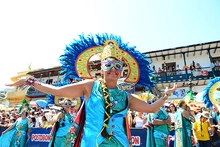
{"points": [[141, 106], [73, 90]]}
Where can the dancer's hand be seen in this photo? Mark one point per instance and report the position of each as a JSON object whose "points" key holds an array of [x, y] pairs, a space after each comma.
{"points": [[19, 82], [169, 91]]}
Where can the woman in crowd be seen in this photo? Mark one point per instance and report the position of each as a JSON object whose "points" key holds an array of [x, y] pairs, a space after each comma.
{"points": [[106, 105], [139, 120], [44, 123], [172, 113], [32, 122], [15, 135], [171, 137]]}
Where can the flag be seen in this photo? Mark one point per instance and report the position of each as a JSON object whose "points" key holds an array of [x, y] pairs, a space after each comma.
{"points": [[29, 67]]}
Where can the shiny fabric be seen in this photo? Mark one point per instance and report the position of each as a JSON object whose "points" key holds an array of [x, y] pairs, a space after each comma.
{"points": [[63, 137], [63, 141], [150, 136], [15, 137], [161, 132], [182, 138], [95, 115], [157, 135]]}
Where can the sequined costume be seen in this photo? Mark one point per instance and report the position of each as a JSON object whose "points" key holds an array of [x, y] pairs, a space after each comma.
{"points": [[160, 132], [94, 118], [15, 137], [63, 137], [182, 132]]}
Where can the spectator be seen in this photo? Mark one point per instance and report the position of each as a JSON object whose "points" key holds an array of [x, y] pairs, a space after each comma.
{"points": [[203, 129], [192, 67], [217, 64], [38, 119], [172, 113], [159, 71], [139, 120], [165, 67], [32, 122], [198, 67], [178, 69], [44, 123], [213, 113], [185, 67]]}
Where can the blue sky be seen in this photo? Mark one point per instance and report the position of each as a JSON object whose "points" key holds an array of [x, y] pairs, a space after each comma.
{"points": [[37, 31]]}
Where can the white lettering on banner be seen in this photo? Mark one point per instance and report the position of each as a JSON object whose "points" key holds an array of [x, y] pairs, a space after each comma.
{"points": [[136, 140], [40, 137]]}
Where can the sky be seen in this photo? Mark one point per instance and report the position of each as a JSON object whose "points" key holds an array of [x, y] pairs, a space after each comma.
{"points": [[37, 31]]}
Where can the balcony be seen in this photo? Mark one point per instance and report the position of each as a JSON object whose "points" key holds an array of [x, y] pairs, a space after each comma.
{"points": [[33, 93], [184, 75], [17, 94]]}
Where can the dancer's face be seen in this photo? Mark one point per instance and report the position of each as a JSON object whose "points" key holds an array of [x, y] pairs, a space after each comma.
{"points": [[112, 68], [110, 63], [67, 105]]}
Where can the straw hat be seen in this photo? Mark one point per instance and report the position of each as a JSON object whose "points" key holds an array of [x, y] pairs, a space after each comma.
{"points": [[205, 114]]}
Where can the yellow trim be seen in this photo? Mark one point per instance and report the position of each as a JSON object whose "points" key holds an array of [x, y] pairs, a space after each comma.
{"points": [[82, 62], [212, 92]]}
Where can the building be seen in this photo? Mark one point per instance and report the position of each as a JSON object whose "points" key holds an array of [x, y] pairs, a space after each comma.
{"points": [[174, 65]]}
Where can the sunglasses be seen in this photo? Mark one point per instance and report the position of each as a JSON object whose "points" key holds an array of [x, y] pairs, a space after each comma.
{"points": [[67, 104], [107, 65]]}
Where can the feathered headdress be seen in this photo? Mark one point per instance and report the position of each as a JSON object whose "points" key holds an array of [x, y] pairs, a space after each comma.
{"points": [[75, 60], [25, 106], [211, 94], [51, 99]]}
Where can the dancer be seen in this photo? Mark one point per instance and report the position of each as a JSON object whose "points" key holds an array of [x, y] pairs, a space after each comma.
{"points": [[158, 129], [63, 120], [106, 105], [15, 135], [183, 126]]}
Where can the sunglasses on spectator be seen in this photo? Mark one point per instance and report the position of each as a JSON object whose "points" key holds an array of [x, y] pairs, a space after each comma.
{"points": [[107, 65]]}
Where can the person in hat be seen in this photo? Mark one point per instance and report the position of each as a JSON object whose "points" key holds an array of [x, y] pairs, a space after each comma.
{"points": [[105, 104], [183, 125], [15, 135], [203, 130]]}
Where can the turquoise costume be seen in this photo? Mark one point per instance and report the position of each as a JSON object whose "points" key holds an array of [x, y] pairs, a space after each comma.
{"points": [[63, 137], [160, 132], [183, 130], [15, 137], [94, 118]]}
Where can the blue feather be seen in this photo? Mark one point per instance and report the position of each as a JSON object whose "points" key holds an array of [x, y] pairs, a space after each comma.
{"points": [[50, 98], [206, 92], [73, 50]]}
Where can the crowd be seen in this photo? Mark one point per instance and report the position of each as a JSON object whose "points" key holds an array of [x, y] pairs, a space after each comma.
{"points": [[201, 124], [194, 68], [38, 117]]}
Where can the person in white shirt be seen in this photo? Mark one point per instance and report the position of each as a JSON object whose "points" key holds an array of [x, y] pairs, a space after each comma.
{"points": [[139, 120]]}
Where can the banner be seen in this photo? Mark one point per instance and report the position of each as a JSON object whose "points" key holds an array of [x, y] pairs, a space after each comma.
{"points": [[40, 137], [200, 73], [179, 93], [138, 137]]}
